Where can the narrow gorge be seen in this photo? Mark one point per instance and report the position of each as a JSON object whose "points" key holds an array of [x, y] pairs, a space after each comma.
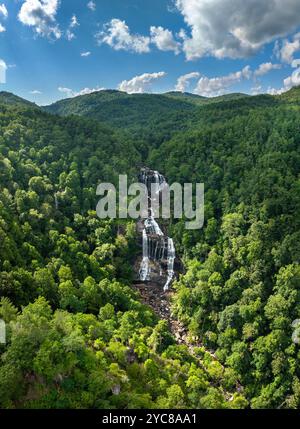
{"points": [[158, 249], [157, 267]]}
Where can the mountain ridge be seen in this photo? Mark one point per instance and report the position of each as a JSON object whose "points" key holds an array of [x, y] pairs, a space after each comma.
{"points": [[113, 95], [13, 99]]}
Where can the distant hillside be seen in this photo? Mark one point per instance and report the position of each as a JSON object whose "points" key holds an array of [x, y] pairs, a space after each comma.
{"points": [[200, 100], [229, 97], [9, 98], [293, 95], [151, 119], [119, 108], [187, 96], [139, 111]]}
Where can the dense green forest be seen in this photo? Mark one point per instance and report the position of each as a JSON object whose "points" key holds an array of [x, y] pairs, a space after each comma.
{"points": [[78, 335]]}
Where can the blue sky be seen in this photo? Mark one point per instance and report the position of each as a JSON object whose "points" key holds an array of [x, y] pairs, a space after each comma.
{"points": [[52, 49]]}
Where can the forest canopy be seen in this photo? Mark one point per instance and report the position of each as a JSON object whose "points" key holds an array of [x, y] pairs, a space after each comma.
{"points": [[78, 335]]}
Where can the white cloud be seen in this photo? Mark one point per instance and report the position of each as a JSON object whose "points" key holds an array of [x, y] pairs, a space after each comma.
{"points": [[213, 87], [290, 82], [3, 68], [257, 89], [140, 84], [116, 34], [164, 39], [70, 35], [41, 15], [262, 70], [235, 28], [295, 63], [85, 54], [266, 68], [3, 13], [70, 93], [74, 22], [184, 81], [3, 10], [294, 79], [35, 92], [286, 51], [274, 91], [91, 5]]}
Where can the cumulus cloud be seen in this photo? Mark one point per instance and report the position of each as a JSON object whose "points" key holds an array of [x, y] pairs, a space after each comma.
{"points": [[3, 10], [184, 81], [41, 15], [35, 92], [70, 35], [274, 91], [262, 70], [3, 68], [164, 39], [140, 84], [70, 93], [290, 82], [213, 87], [74, 21], [117, 35], [295, 63], [288, 48], [4, 14], [294, 79], [91, 5], [257, 89], [235, 28], [85, 54], [265, 68]]}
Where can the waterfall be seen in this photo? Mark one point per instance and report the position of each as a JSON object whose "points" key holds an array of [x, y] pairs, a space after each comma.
{"points": [[152, 227], [156, 246], [171, 259], [144, 270]]}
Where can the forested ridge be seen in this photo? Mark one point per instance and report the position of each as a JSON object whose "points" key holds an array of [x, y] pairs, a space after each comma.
{"points": [[78, 335]]}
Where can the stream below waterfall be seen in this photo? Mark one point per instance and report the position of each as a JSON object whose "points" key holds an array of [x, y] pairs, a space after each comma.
{"points": [[157, 247]]}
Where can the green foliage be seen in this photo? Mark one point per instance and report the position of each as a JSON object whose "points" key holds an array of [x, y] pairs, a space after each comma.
{"points": [[78, 336], [240, 292]]}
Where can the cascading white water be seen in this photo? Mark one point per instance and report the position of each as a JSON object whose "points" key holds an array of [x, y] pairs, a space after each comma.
{"points": [[171, 259], [153, 230], [145, 270], [152, 226]]}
